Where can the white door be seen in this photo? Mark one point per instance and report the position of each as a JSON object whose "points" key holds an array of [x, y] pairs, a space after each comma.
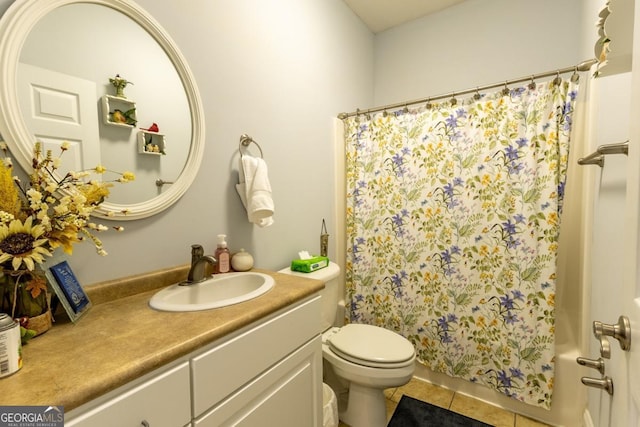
{"points": [[616, 236], [612, 101], [630, 300], [58, 107]]}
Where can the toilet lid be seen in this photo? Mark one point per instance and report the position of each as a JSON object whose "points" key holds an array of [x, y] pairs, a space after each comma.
{"points": [[371, 345]]}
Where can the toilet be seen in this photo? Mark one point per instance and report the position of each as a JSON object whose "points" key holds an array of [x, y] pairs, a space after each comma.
{"points": [[359, 361]]}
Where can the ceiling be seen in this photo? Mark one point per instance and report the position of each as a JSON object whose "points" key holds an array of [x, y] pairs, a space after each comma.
{"points": [[380, 15]]}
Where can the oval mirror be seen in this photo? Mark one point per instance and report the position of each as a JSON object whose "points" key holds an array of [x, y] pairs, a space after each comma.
{"points": [[59, 58]]}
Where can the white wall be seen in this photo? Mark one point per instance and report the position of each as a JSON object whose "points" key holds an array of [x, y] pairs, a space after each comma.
{"points": [[278, 71], [475, 43]]}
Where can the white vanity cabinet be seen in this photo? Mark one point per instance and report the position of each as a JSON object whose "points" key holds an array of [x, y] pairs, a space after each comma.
{"points": [[266, 374]]}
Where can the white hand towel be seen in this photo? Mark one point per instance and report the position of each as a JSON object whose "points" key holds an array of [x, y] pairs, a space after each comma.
{"points": [[255, 190]]}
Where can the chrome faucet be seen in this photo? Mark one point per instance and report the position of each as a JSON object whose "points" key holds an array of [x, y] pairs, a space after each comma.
{"points": [[198, 263]]}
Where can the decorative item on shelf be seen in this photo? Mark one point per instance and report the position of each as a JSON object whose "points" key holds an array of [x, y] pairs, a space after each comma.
{"points": [[324, 240], [150, 141], [125, 117], [153, 128], [242, 261], [51, 211], [119, 83]]}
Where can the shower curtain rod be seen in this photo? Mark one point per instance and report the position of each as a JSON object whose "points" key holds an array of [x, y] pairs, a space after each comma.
{"points": [[583, 66]]}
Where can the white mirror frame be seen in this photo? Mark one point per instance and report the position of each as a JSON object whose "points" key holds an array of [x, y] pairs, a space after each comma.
{"points": [[15, 26]]}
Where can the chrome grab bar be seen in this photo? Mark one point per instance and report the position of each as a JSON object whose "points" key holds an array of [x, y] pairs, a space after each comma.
{"points": [[597, 157]]}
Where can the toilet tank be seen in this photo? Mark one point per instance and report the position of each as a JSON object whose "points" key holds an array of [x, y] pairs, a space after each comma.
{"points": [[330, 294]]}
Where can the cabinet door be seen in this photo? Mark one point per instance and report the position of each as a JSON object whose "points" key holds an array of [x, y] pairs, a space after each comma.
{"points": [[162, 401], [220, 371], [287, 395]]}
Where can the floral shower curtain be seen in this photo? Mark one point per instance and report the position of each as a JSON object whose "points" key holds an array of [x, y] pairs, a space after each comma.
{"points": [[453, 215]]}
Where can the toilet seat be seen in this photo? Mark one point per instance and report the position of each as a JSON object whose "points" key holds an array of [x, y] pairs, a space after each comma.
{"points": [[372, 346]]}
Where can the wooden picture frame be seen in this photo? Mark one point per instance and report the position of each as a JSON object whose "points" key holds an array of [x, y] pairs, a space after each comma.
{"points": [[66, 287]]}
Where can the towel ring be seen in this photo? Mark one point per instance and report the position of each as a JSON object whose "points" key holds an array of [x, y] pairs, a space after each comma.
{"points": [[245, 141]]}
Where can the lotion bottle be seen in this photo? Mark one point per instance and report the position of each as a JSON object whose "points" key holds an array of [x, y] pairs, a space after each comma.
{"points": [[222, 255]]}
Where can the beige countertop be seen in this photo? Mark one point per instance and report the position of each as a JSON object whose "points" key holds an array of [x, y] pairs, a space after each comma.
{"points": [[121, 338]]}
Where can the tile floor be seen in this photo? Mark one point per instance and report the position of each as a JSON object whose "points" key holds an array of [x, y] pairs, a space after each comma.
{"points": [[456, 402]]}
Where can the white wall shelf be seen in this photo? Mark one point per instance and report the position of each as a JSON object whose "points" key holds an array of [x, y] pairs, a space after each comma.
{"points": [[152, 143], [113, 104]]}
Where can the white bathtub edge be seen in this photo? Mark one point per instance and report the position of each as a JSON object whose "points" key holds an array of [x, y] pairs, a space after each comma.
{"points": [[586, 419]]}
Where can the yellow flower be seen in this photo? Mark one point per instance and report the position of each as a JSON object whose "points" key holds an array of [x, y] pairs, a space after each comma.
{"points": [[20, 243], [9, 198], [95, 192], [50, 211], [65, 238], [127, 176]]}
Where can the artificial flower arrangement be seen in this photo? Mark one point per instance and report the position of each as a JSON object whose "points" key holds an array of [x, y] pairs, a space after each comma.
{"points": [[51, 211]]}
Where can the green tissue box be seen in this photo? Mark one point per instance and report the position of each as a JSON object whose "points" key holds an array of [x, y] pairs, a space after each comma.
{"points": [[309, 265]]}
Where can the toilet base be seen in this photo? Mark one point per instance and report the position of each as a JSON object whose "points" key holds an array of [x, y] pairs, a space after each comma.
{"points": [[366, 407]]}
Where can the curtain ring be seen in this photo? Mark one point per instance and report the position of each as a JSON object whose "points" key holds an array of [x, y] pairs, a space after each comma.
{"points": [[453, 100], [477, 96], [575, 77], [532, 85], [428, 105], [384, 113], [405, 109], [506, 90], [367, 115], [557, 80]]}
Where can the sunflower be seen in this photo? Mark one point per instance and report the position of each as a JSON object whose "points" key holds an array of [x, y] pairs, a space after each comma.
{"points": [[21, 243]]}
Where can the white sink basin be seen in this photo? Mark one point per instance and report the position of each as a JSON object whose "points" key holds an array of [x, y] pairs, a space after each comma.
{"points": [[219, 291]]}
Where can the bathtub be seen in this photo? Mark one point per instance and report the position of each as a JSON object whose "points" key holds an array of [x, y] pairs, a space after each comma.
{"points": [[569, 396]]}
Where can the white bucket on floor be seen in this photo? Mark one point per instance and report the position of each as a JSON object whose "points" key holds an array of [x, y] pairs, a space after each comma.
{"points": [[329, 407]]}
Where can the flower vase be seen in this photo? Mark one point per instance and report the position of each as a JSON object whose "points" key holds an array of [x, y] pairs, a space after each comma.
{"points": [[120, 91], [25, 297]]}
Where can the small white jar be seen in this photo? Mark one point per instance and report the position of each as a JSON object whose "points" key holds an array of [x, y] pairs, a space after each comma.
{"points": [[242, 261]]}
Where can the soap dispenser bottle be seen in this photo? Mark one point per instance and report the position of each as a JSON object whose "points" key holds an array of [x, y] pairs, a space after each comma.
{"points": [[222, 255]]}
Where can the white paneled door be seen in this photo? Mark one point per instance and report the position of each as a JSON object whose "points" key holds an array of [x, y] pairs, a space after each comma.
{"points": [[58, 107]]}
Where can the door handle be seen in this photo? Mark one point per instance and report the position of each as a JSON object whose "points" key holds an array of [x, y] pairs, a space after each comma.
{"points": [[605, 383], [592, 363], [620, 331]]}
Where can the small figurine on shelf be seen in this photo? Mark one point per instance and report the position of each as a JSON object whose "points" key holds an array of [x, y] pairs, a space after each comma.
{"points": [[152, 147], [125, 117], [119, 83], [152, 128]]}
